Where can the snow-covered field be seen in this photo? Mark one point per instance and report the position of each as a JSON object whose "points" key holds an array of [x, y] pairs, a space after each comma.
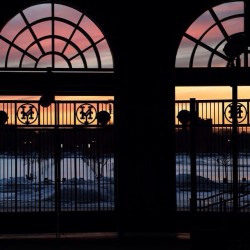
{"points": [[31, 184], [214, 181]]}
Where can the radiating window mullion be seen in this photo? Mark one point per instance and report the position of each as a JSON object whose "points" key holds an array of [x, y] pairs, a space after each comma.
{"points": [[53, 33]]}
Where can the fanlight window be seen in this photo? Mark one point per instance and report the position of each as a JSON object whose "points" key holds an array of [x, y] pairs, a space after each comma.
{"points": [[54, 36], [203, 44]]}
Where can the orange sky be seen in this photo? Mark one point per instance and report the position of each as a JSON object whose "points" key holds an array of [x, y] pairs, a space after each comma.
{"points": [[59, 98], [203, 93]]}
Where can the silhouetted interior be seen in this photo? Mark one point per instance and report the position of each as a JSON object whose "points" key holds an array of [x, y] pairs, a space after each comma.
{"points": [[144, 40]]}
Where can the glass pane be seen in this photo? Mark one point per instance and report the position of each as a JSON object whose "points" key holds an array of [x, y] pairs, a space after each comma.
{"points": [[213, 37], [67, 13], [11, 29], [184, 53], [24, 39], [59, 45], [70, 51], [42, 29], [63, 29], [28, 62], [91, 29], [105, 54], [60, 62], [200, 25], [3, 50], [218, 62], [35, 51], [234, 25], [201, 57], [37, 12], [80, 40], [14, 58], [91, 58], [229, 9], [45, 62], [77, 62], [47, 44]]}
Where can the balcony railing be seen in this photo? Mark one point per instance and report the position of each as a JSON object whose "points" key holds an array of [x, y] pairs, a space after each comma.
{"points": [[212, 164], [59, 157], [59, 113]]}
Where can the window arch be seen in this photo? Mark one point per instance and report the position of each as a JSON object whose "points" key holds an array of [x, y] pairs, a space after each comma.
{"points": [[204, 43], [52, 35]]}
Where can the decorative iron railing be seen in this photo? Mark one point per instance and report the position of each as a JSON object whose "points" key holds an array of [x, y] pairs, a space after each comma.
{"points": [[59, 113], [60, 157], [212, 163]]}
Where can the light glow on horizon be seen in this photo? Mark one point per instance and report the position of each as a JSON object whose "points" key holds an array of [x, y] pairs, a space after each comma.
{"points": [[210, 93], [57, 98], [70, 109]]}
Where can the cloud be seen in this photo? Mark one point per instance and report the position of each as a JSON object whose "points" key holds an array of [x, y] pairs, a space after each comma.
{"points": [[81, 36], [212, 38]]}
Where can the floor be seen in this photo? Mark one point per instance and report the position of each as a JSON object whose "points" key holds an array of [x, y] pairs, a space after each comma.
{"points": [[134, 241], [95, 241]]}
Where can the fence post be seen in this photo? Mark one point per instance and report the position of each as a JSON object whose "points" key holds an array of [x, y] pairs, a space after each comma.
{"points": [[235, 146], [57, 143], [193, 124], [222, 205]]}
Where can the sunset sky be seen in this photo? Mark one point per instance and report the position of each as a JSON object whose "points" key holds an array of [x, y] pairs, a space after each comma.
{"points": [[26, 42], [205, 30]]}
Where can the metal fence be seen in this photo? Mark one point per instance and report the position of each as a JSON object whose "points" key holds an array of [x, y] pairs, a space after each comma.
{"points": [[213, 155], [57, 158]]}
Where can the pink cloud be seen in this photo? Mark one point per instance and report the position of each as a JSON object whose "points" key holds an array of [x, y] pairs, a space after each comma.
{"points": [[91, 29], [229, 9], [203, 22], [63, 30], [213, 36]]}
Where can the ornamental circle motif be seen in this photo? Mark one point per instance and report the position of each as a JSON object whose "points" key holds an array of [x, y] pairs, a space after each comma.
{"points": [[241, 112], [86, 113], [27, 113]]}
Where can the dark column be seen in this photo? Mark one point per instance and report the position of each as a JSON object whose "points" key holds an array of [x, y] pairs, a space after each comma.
{"points": [[247, 21]]}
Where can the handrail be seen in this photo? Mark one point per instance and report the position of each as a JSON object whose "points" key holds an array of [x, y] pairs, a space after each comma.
{"points": [[223, 200]]}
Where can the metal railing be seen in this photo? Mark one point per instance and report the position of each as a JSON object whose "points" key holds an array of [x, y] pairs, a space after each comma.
{"points": [[59, 157], [59, 113], [212, 164]]}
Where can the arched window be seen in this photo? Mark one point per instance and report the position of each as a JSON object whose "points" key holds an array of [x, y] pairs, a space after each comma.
{"points": [[204, 44], [212, 131], [58, 69], [54, 36]]}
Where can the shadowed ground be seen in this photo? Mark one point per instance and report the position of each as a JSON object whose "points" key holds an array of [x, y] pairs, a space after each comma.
{"points": [[92, 241]]}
